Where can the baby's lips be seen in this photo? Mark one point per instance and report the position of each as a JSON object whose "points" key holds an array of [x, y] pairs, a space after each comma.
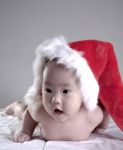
{"points": [[58, 111]]}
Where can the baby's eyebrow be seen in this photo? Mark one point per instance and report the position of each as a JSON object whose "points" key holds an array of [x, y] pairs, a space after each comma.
{"points": [[47, 83], [53, 84]]}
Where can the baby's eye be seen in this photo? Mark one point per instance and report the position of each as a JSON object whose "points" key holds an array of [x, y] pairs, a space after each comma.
{"points": [[65, 91], [48, 90]]}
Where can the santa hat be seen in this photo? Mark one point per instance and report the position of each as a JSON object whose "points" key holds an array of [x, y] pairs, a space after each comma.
{"points": [[58, 48], [94, 63]]}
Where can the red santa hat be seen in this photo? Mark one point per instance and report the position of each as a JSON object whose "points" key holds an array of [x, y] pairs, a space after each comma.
{"points": [[93, 62]]}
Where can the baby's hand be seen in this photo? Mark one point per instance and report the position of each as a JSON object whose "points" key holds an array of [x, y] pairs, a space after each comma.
{"points": [[21, 137]]}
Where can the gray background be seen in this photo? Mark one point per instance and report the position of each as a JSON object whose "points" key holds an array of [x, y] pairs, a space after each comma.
{"points": [[26, 23]]}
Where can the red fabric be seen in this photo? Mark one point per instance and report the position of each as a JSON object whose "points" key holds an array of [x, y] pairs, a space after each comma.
{"points": [[102, 61]]}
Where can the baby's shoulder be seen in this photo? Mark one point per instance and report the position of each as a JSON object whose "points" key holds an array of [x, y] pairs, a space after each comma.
{"points": [[35, 108], [95, 116]]}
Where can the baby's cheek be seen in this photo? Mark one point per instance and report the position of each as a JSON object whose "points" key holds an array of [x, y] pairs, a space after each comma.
{"points": [[47, 100], [68, 105]]}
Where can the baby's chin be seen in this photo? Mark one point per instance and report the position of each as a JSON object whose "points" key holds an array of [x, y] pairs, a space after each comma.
{"points": [[59, 116]]}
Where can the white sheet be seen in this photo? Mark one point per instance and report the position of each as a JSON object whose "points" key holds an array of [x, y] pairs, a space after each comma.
{"points": [[110, 140]]}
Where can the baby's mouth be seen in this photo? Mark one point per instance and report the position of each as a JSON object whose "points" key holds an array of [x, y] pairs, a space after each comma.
{"points": [[58, 111]]}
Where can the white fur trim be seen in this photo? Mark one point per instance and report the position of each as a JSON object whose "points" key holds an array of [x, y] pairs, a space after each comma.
{"points": [[58, 48]]}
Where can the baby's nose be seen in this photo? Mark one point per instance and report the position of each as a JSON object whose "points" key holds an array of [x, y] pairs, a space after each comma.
{"points": [[56, 99]]}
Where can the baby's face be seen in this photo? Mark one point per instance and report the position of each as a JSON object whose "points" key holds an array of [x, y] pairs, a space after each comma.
{"points": [[60, 92]]}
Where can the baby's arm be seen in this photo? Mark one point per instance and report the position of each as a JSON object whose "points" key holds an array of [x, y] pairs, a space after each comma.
{"points": [[28, 126], [95, 118]]}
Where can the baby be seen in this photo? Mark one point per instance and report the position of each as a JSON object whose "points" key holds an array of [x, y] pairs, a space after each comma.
{"points": [[62, 112]]}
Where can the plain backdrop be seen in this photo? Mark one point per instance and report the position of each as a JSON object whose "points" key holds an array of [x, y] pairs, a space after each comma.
{"points": [[24, 24]]}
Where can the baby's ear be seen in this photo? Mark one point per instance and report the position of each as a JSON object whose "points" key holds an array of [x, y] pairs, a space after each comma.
{"points": [[40, 92], [83, 105]]}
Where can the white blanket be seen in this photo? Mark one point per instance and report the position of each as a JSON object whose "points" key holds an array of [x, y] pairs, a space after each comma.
{"points": [[112, 139]]}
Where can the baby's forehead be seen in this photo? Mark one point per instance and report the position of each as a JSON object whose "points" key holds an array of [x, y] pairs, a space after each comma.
{"points": [[54, 65]]}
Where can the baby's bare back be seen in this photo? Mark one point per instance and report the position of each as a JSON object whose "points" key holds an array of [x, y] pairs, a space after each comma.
{"points": [[74, 129]]}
